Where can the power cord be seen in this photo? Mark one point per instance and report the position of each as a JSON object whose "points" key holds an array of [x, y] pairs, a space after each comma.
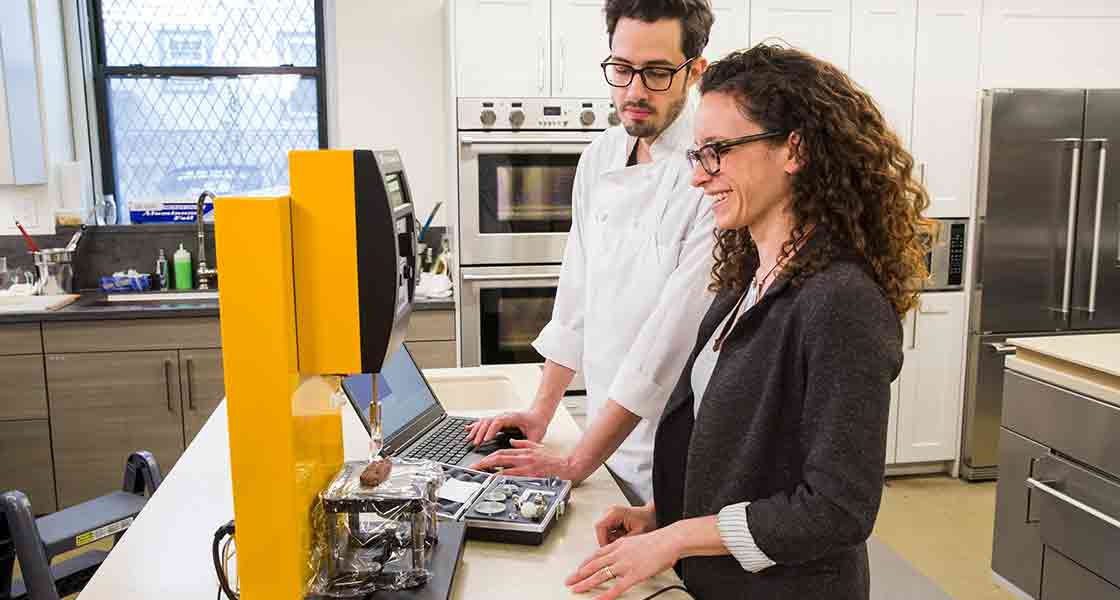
{"points": [[668, 589], [221, 555]]}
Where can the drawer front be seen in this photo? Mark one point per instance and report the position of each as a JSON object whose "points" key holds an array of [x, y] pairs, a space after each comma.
{"points": [[24, 391], [1072, 424], [431, 325], [25, 453], [433, 355], [1079, 515], [20, 338], [1063, 579], [135, 334]]}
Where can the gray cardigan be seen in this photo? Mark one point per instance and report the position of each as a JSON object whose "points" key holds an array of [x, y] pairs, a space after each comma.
{"points": [[794, 420]]}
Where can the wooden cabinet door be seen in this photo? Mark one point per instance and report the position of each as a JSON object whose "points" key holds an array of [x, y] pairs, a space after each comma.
{"points": [[883, 38], [25, 456], [105, 406], [23, 394], [203, 387], [579, 44], [501, 48], [946, 75], [930, 398], [731, 31], [822, 28]]}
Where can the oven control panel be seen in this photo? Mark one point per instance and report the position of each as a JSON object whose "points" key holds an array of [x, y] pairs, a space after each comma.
{"points": [[536, 114]]}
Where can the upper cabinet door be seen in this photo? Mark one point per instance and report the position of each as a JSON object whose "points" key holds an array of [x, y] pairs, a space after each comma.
{"points": [[501, 48], [731, 31], [579, 44], [946, 93], [1050, 44], [820, 27], [883, 38]]}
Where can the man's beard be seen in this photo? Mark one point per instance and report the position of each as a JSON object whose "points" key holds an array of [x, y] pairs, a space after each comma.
{"points": [[648, 129]]}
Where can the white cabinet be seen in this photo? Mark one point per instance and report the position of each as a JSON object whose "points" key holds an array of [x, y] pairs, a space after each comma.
{"points": [[22, 153], [946, 78], [731, 30], [883, 38], [929, 388], [1044, 43], [579, 44], [822, 28], [502, 48]]}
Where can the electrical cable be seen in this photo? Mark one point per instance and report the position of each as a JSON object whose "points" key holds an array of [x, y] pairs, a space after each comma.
{"points": [[669, 588], [217, 551]]}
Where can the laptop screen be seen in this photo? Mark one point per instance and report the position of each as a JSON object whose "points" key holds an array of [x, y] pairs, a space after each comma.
{"points": [[402, 390]]}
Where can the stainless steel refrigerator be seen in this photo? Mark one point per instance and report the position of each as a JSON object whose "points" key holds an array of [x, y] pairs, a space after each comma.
{"points": [[1048, 245]]}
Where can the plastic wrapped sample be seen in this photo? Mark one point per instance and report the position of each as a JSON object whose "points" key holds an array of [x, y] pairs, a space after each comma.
{"points": [[369, 539]]}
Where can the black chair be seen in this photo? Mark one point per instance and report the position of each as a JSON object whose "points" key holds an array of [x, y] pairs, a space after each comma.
{"points": [[35, 542]]}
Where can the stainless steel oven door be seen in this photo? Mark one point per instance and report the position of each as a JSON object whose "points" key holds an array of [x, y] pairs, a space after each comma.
{"points": [[504, 309], [515, 195]]}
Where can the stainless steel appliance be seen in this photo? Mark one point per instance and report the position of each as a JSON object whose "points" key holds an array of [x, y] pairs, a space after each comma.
{"points": [[504, 308], [1057, 523], [517, 167], [1048, 245], [945, 259]]}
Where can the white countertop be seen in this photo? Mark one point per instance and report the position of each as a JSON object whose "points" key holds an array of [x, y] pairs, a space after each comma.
{"points": [[166, 552], [1088, 364], [1096, 351]]}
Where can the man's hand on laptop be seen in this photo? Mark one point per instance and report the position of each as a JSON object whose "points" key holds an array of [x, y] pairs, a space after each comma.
{"points": [[531, 423], [528, 459]]}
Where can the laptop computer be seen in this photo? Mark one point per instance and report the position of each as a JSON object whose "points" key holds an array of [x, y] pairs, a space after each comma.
{"points": [[413, 422]]}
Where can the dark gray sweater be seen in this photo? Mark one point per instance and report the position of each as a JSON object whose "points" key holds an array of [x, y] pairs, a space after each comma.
{"points": [[794, 420]]}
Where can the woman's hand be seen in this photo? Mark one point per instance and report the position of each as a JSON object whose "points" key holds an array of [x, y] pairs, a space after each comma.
{"points": [[626, 562], [531, 423], [625, 521]]}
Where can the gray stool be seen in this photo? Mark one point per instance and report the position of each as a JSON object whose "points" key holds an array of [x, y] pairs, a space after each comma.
{"points": [[36, 541]]}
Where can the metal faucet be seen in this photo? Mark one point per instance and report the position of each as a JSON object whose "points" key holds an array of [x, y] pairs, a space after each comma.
{"points": [[204, 273]]}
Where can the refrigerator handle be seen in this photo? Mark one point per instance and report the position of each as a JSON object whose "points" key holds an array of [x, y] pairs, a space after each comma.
{"points": [[1071, 223], [1094, 270]]}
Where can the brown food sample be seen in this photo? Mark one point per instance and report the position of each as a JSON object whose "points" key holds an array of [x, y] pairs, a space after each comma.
{"points": [[376, 473]]}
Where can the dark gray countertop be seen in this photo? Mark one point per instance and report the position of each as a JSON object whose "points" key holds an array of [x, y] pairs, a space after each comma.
{"points": [[88, 308]]}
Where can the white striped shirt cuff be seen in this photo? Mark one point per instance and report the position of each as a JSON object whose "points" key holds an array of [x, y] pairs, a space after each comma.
{"points": [[736, 535]]}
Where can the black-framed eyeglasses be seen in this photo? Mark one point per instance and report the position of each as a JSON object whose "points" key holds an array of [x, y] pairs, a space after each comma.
{"points": [[656, 79], [707, 156]]}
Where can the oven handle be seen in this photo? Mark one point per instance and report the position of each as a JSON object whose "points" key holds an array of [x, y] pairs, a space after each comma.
{"points": [[1042, 487], [534, 276], [467, 140]]}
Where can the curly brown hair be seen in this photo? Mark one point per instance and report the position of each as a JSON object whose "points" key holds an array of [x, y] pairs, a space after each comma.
{"points": [[855, 181]]}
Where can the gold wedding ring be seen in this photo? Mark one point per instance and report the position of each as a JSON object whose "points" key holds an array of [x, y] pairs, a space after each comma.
{"points": [[609, 572]]}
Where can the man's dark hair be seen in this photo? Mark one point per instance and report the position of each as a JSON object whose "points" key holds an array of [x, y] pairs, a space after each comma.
{"points": [[695, 16]]}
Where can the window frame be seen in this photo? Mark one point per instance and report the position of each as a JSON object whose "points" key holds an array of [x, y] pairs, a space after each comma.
{"points": [[101, 73]]}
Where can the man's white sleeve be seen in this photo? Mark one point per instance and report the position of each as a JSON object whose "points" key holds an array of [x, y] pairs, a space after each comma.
{"points": [[655, 360]]}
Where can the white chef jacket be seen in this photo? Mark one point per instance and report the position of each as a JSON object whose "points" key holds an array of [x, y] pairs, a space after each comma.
{"points": [[634, 283]]}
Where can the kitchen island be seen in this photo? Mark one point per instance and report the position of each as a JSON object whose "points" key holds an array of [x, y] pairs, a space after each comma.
{"points": [[1057, 529]]}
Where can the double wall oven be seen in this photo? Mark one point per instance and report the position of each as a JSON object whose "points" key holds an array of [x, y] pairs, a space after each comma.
{"points": [[517, 167]]}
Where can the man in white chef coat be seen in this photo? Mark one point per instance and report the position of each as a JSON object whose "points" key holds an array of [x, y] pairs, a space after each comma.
{"points": [[638, 261]]}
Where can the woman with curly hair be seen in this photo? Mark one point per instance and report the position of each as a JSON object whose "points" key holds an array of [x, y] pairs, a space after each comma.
{"points": [[769, 458]]}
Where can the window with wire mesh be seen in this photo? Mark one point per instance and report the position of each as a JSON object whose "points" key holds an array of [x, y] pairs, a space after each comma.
{"points": [[205, 94]]}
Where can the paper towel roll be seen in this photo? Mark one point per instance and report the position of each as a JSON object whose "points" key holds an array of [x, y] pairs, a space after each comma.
{"points": [[71, 187]]}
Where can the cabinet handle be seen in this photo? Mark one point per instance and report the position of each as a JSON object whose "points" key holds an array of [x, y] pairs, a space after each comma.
{"points": [[167, 384], [922, 173], [190, 383], [562, 48], [540, 64], [1001, 349], [1043, 486], [914, 330]]}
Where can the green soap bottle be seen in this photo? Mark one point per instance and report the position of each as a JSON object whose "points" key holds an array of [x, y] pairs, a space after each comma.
{"points": [[182, 259]]}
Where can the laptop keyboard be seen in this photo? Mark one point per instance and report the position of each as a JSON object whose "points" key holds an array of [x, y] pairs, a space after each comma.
{"points": [[446, 444]]}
